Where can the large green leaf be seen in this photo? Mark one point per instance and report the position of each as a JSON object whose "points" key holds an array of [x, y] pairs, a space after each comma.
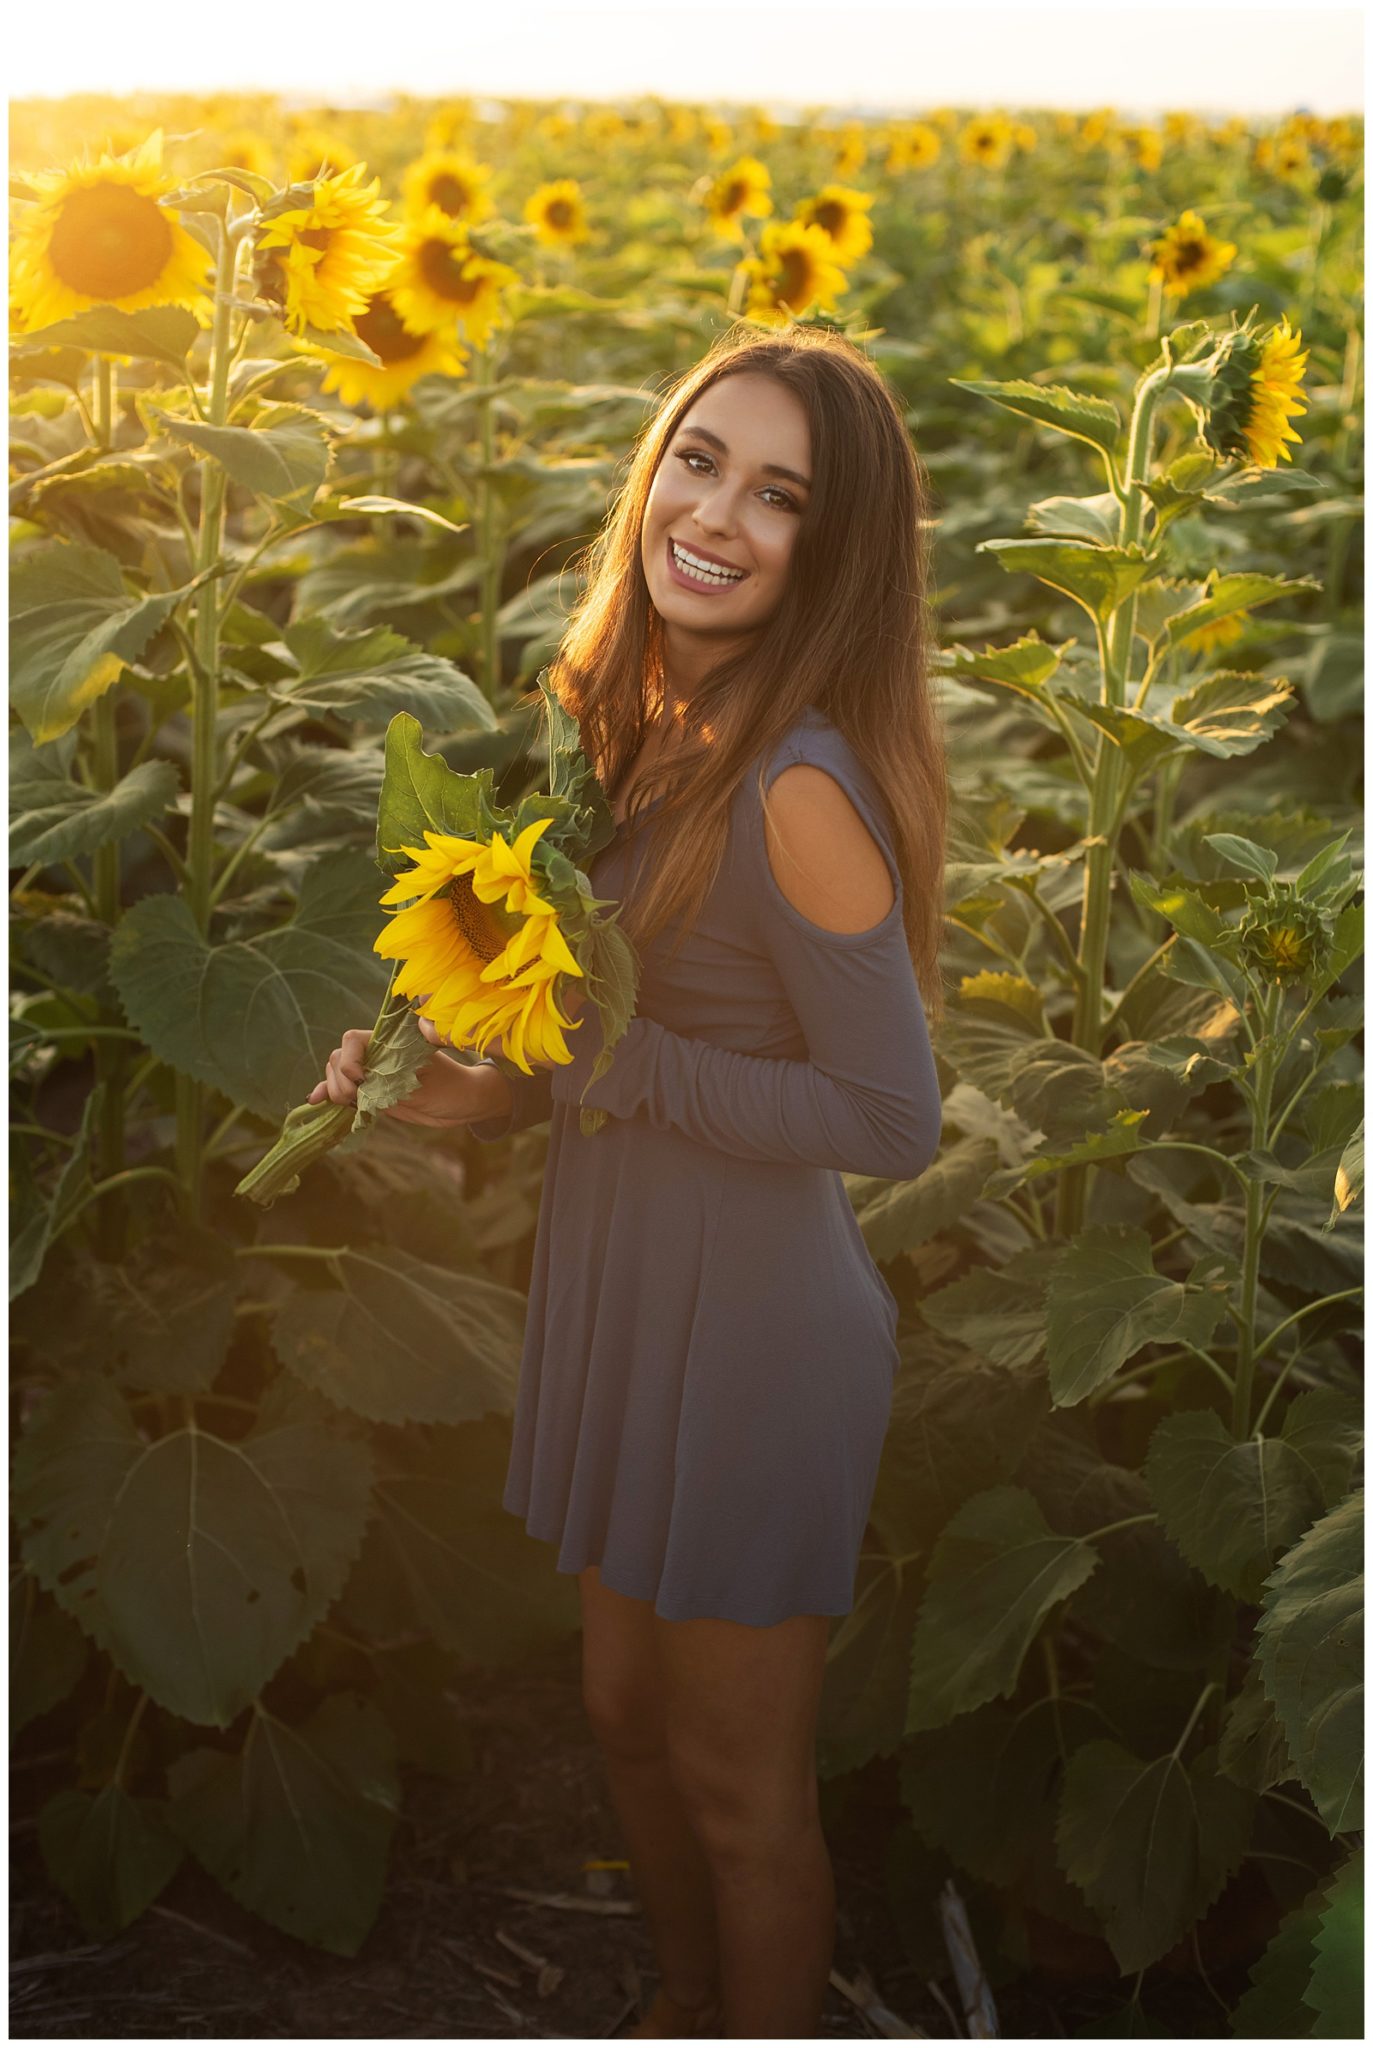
{"points": [[400, 1340], [904, 1213], [1226, 595], [53, 818], [1094, 420], [1098, 578], [256, 1018], [34, 1218], [1310, 1653], [1231, 1508], [996, 1572], [73, 626], [283, 456], [109, 1852], [1274, 2008], [1336, 1991], [420, 793], [197, 1563], [1106, 1301], [48, 1652], [1058, 1088], [160, 334], [296, 1826], [1226, 715], [956, 1426], [371, 675], [1150, 1842], [1253, 1750], [163, 1315], [997, 1311], [867, 1668]]}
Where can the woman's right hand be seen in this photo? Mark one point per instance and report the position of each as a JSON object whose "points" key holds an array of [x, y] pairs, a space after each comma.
{"points": [[447, 1093]]}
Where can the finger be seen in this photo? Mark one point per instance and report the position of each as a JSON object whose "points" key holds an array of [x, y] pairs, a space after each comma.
{"points": [[429, 1031], [318, 1092]]}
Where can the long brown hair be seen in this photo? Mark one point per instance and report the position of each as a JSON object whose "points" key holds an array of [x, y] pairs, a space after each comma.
{"points": [[849, 636]]}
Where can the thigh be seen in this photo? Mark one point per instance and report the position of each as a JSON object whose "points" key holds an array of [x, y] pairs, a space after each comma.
{"points": [[741, 1707], [621, 1678]]}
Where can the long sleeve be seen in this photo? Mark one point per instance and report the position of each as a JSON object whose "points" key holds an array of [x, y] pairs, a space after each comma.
{"points": [[532, 1104], [865, 1101]]}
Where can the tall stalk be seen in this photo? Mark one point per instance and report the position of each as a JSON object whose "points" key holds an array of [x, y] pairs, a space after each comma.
{"points": [[205, 698], [491, 539], [111, 1054]]}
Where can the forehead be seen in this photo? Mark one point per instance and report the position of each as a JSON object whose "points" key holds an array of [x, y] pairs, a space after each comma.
{"points": [[756, 416]]}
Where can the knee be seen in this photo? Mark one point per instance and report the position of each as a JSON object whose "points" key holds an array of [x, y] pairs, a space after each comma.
{"points": [[735, 1817], [626, 1717]]}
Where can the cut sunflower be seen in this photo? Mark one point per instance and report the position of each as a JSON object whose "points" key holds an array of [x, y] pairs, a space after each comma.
{"points": [[841, 213], [441, 278], [406, 356], [320, 262], [557, 213], [96, 234], [746, 187], [450, 180], [794, 271], [1186, 257]]}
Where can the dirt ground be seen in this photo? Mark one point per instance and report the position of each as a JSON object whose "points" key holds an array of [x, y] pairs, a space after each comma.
{"points": [[491, 1927]]}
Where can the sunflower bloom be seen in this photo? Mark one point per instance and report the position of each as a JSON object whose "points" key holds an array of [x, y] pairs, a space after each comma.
{"points": [[450, 180], [321, 262], [480, 945], [1146, 146], [1254, 391], [745, 187], [914, 147], [852, 151], [407, 354], [718, 134], [441, 278], [557, 214], [315, 153], [95, 234], [1186, 257], [794, 271], [842, 214], [987, 140], [243, 149]]}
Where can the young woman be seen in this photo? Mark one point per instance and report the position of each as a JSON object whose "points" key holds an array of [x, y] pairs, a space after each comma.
{"points": [[709, 1354]]}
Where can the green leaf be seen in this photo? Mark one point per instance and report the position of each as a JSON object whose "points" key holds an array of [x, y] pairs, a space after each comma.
{"points": [[109, 1853], [863, 1701], [1243, 854], [1123, 1136], [956, 1426], [1349, 1175], [340, 341], [1226, 595], [48, 1652], [905, 1213], [374, 674], [399, 1340], [164, 1313], [380, 507], [1274, 2007], [297, 1825], [1098, 578], [283, 456], [256, 1018], [1094, 420], [196, 1563], [73, 627], [997, 1311], [1095, 519], [1336, 1991], [1023, 666], [420, 793], [1106, 1301], [1228, 714], [1310, 1652], [53, 818], [161, 334], [32, 1224], [1231, 1508], [1252, 1749], [1150, 1843], [994, 1575]]}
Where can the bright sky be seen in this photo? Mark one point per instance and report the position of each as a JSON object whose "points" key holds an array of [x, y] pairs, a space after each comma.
{"points": [[1224, 58]]}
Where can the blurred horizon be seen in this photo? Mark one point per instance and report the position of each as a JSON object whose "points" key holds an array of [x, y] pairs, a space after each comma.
{"points": [[1217, 59]]}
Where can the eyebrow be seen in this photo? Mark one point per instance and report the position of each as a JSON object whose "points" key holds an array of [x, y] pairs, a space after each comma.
{"points": [[769, 468]]}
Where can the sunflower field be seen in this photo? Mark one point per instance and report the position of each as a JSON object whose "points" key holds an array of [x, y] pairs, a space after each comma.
{"points": [[312, 417]]}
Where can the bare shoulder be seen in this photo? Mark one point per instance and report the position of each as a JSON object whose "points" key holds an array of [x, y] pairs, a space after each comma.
{"points": [[822, 854]]}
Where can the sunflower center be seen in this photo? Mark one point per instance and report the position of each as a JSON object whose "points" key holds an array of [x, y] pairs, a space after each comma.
{"points": [[733, 196], [110, 241], [450, 193], [830, 216], [384, 332], [315, 238], [470, 916], [1189, 255], [444, 270], [558, 213], [794, 280]]}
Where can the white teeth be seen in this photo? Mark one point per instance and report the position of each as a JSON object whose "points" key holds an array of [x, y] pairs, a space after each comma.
{"points": [[702, 572]]}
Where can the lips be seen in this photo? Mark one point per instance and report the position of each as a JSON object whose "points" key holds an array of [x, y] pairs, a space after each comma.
{"points": [[696, 584], [705, 554]]}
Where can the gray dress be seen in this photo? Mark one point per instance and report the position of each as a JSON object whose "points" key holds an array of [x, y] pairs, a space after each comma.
{"points": [[709, 1352]]}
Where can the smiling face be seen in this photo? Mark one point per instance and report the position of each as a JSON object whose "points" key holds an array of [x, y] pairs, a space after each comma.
{"points": [[729, 496]]}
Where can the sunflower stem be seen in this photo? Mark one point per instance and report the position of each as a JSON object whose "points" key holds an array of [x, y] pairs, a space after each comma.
{"points": [[102, 414], [492, 550], [205, 700], [111, 1055]]}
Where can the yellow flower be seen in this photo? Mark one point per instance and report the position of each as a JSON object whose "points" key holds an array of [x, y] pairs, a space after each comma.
{"points": [[96, 235], [986, 139], [1255, 391], [744, 188], [1024, 136], [1291, 157], [321, 262], [557, 213], [1180, 127], [448, 128], [794, 271], [765, 129], [603, 126], [1146, 145], [406, 356], [719, 135], [244, 150], [842, 214], [914, 147], [555, 127], [450, 180], [1186, 257], [315, 153], [681, 126], [1231, 134], [441, 277], [1097, 129], [481, 945], [852, 152]]}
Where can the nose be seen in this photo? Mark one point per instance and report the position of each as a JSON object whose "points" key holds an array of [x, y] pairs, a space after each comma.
{"points": [[715, 511]]}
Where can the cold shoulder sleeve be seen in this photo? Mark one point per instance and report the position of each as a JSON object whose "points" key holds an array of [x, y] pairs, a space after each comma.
{"points": [[866, 1100]]}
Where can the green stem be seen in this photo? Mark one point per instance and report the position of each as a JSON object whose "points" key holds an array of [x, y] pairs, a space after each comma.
{"points": [[102, 415], [1256, 1212], [111, 1055], [492, 548], [205, 702]]}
